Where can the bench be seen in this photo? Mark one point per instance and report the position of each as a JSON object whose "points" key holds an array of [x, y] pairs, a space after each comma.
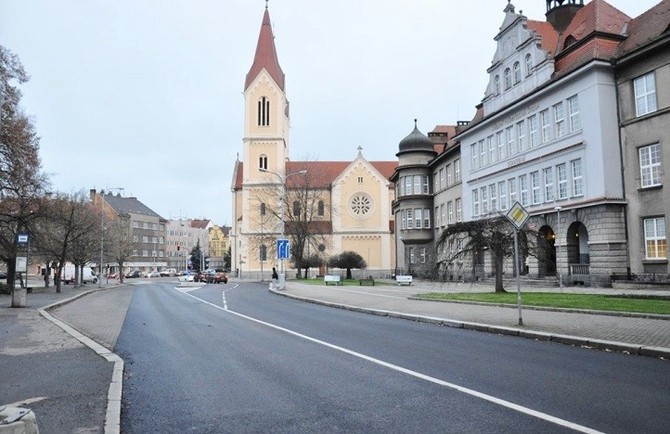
{"points": [[403, 280], [330, 278], [368, 281]]}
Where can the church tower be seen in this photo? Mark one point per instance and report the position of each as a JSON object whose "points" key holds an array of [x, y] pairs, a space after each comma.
{"points": [[266, 125]]}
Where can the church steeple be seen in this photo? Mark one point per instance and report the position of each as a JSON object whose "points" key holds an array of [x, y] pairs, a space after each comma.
{"points": [[266, 55]]}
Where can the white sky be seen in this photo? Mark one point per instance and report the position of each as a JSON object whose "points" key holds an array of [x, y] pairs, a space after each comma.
{"points": [[147, 94]]}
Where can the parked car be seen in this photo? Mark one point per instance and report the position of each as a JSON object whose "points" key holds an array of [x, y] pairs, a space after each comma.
{"points": [[169, 272], [113, 276], [220, 276], [133, 274], [186, 277], [152, 274]]}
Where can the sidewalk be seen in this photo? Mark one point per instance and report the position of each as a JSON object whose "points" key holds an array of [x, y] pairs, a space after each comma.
{"points": [[617, 332]]}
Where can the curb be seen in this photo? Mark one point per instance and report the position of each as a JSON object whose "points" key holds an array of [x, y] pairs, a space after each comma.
{"points": [[114, 393], [621, 347]]}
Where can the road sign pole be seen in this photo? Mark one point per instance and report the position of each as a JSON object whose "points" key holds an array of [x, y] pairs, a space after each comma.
{"points": [[516, 267]]}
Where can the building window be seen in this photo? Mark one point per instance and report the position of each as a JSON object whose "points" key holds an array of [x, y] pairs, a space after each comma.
{"points": [[502, 154], [296, 208], [656, 243], [320, 208], [502, 191], [475, 203], [645, 94], [494, 197], [573, 113], [650, 165], [577, 178], [511, 141], [263, 254], [450, 212], [459, 210], [417, 218], [422, 255], [508, 78], [483, 153], [264, 112], [426, 218], [263, 209], [517, 73], [360, 205], [529, 64], [411, 255], [475, 156], [408, 185], [496, 82], [438, 221], [548, 184], [559, 120], [535, 187], [403, 219], [484, 193], [545, 125], [263, 162], [410, 219], [417, 184], [521, 135], [562, 175], [360, 179], [491, 148], [426, 185], [534, 138], [450, 175], [457, 170], [512, 191], [523, 188]]}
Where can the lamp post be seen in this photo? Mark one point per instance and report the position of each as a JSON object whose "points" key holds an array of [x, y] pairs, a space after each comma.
{"points": [[558, 248], [282, 198], [102, 230]]}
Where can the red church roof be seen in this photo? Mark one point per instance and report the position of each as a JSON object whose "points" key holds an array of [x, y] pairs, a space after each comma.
{"points": [[266, 56]]}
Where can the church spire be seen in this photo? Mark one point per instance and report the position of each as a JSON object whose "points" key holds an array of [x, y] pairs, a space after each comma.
{"points": [[266, 55]]}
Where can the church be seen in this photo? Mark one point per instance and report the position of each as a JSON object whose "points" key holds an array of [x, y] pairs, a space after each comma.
{"points": [[323, 208]]}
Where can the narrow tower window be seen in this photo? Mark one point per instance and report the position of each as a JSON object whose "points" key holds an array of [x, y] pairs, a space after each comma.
{"points": [[264, 112], [263, 162]]}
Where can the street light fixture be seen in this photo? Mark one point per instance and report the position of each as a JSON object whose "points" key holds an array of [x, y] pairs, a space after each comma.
{"points": [[102, 230], [282, 198], [558, 247]]}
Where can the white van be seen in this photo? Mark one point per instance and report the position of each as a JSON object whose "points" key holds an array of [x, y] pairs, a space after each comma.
{"points": [[88, 275]]}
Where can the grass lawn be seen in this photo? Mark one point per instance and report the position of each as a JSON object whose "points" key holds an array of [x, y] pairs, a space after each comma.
{"points": [[572, 301]]}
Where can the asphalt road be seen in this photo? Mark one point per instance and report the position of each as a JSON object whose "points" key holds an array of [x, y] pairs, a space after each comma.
{"points": [[235, 358]]}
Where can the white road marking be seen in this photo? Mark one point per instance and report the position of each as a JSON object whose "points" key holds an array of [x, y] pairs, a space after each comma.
{"points": [[471, 392], [25, 402]]}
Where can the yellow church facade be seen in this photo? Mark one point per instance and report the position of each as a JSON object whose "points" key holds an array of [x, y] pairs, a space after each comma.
{"points": [[323, 208]]}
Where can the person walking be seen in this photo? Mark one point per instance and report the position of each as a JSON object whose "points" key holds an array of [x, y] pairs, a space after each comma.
{"points": [[275, 277]]}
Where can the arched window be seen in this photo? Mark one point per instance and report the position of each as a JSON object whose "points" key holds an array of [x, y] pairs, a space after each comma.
{"points": [[321, 208], [529, 64], [263, 112], [296, 208], [262, 209], [263, 162], [496, 82], [517, 73], [508, 78]]}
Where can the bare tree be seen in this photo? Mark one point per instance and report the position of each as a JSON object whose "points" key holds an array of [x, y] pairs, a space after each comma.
{"points": [[120, 245], [494, 235], [21, 181]]}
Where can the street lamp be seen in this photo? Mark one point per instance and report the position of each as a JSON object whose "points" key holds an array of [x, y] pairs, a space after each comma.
{"points": [[102, 230], [282, 198], [558, 247]]}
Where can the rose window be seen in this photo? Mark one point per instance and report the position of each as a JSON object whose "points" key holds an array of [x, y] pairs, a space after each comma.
{"points": [[360, 205]]}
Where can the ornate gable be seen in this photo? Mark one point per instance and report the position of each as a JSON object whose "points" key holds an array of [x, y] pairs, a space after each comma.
{"points": [[521, 63]]}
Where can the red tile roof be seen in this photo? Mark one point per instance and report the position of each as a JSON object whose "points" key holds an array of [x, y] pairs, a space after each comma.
{"points": [[266, 56], [646, 28]]}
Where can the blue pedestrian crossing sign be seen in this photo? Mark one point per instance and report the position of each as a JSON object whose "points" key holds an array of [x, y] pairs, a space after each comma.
{"points": [[283, 248]]}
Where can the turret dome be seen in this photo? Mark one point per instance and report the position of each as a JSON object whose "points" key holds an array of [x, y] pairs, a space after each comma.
{"points": [[415, 141]]}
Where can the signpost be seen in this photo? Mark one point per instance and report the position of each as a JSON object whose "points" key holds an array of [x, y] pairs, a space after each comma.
{"points": [[518, 216], [283, 252]]}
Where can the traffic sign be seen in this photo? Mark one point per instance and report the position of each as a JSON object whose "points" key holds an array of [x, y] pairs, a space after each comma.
{"points": [[517, 215], [283, 248]]}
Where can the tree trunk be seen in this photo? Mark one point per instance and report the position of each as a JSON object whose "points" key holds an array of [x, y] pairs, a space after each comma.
{"points": [[499, 274], [348, 273]]}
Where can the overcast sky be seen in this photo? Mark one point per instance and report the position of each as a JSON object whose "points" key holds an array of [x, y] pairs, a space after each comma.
{"points": [[147, 94]]}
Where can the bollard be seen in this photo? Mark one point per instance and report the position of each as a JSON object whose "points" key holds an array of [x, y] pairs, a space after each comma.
{"points": [[19, 297]]}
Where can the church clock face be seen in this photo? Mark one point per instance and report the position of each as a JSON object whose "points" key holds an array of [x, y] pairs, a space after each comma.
{"points": [[360, 205]]}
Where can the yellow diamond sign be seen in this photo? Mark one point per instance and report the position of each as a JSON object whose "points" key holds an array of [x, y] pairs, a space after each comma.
{"points": [[517, 215]]}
